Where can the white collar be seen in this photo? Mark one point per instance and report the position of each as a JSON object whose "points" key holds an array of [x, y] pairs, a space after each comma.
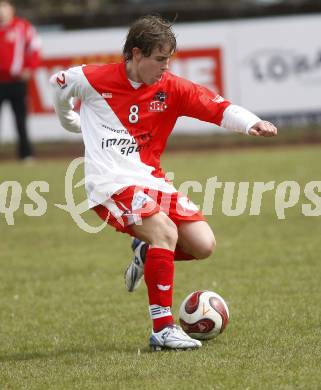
{"points": [[135, 84]]}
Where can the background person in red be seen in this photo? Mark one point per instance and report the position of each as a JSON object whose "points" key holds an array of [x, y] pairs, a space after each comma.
{"points": [[20, 55]]}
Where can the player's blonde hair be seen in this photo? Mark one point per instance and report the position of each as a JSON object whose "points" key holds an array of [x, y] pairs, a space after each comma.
{"points": [[147, 33]]}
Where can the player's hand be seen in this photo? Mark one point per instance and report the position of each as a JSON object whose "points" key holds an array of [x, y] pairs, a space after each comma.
{"points": [[263, 129]]}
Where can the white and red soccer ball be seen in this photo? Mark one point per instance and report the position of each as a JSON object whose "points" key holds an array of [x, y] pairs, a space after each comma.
{"points": [[203, 315]]}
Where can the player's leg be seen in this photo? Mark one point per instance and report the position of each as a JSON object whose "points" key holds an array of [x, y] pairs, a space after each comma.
{"points": [[144, 233], [196, 238], [161, 235], [135, 270], [18, 98], [3, 94], [156, 229]]}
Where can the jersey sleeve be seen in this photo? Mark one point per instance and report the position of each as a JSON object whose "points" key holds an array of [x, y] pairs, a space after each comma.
{"points": [[199, 102], [66, 86], [33, 48]]}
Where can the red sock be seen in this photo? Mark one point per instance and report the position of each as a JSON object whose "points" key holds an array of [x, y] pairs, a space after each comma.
{"points": [[181, 255], [159, 277]]}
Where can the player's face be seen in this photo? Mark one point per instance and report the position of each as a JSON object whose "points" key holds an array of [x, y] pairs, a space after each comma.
{"points": [[6, 12], [150, 69]]}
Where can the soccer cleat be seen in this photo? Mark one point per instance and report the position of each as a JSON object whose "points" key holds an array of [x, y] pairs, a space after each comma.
{"points": [[135, 271], [172, 337]]}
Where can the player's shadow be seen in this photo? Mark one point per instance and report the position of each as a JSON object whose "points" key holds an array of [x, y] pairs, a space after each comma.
{"points": [[56, 353], [26, 356]]}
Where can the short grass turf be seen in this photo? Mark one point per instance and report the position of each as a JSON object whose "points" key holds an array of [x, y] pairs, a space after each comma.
{"points": [[67, 321]]}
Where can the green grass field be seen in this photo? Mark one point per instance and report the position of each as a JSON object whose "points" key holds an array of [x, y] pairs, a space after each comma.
{"points": [[68, 323]]}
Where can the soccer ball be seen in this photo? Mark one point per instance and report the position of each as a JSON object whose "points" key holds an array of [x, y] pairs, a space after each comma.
{"points": [[203, 315]]}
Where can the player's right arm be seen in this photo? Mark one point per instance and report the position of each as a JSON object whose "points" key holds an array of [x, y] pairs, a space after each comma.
{"points": [[66, 86]]}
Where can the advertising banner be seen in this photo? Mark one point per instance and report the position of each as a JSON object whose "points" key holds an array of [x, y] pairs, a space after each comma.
{"points": [[271, 66], [202, 65], [279, 65]]}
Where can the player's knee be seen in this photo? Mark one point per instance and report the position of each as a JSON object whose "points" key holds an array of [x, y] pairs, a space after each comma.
{"points": [[165, 232], [206, 248]]}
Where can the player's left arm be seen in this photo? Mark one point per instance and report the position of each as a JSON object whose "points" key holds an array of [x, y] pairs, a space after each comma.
{"points": [[199, 102], [32, 50], [239, 119]]}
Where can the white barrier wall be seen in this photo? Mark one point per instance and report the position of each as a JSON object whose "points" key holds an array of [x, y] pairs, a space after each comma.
{"points": [[280, 64], [271, 66]]}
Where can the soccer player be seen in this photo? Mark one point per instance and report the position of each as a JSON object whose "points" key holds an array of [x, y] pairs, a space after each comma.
{"points": [[128, 111], [20, 56]]}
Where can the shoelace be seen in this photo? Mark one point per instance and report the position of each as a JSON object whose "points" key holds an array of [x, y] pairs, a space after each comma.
{"points": [[177, 330]]}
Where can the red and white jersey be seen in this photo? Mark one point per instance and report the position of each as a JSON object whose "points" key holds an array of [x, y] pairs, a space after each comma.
{"points": [[19, 48], [124, 129]]}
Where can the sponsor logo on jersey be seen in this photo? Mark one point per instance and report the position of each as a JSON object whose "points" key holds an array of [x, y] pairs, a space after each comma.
{"points": [[118, 131], [157, 106], [61, 80], [126, 146]]}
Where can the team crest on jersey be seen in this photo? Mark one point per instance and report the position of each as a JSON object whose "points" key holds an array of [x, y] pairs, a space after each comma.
{"points": [[160, 96], [158, 104]]}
